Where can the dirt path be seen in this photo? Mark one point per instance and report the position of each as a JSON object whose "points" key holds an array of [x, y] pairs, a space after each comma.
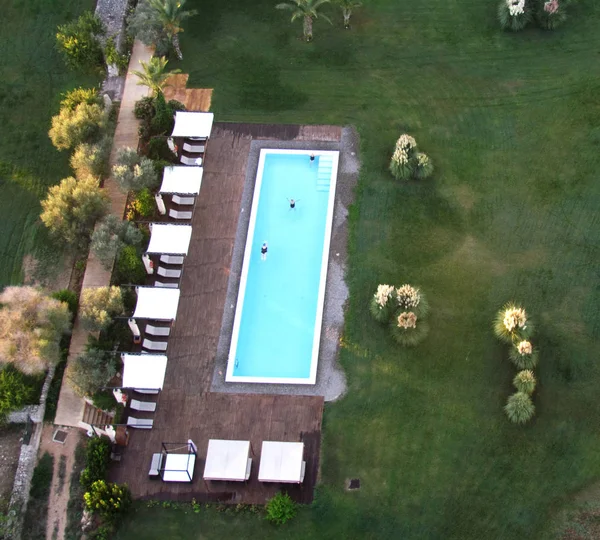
{"points": [[64, 457]]}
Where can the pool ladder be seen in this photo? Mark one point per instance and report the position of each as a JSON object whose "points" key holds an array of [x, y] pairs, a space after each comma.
{"points": [[324, 173]]}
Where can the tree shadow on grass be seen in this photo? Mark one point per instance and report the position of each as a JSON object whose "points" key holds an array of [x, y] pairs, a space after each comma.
{"points": [[260, 86]]}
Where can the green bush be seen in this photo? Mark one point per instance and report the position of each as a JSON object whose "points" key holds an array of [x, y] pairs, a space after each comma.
{"points": [[130, 268], [104, 400], [78, 42], [114, 57], [36, 516], [280, 509], [97, 461], [519, 408], [551, 14], [142, 206], [15, 391], [162, 123], [69, 297], [524, 381], [144, 108], [423, 166], [108, 500], [92, 159], [74, 97], [71, 127], [159, 151], [42, 477]]}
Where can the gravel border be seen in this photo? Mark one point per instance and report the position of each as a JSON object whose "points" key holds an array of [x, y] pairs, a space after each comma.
{"points": [[331, 380]]}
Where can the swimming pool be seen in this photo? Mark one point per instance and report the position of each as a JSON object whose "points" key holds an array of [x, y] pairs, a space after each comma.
{"points": [[277, 325]]}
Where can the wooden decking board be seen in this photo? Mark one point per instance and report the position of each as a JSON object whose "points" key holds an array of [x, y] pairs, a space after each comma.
{"points": [[187, 408]]}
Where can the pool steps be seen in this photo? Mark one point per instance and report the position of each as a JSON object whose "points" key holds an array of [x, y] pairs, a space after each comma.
{"points": [[324, 173]]}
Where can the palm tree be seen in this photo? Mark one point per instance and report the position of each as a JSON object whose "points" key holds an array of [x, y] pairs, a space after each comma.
{"points": [[347, 7], [154, 75], [307, 9], [171, 14]]}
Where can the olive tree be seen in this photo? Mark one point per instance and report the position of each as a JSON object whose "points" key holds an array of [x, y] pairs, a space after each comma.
{"points": [[110, 236], [91, 370], [99, 305], [71, 127], [72, 208], [133, 172]]}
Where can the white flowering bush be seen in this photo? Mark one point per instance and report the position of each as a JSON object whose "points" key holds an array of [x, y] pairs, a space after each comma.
{"points": [[408, 329], [382, 304], [551, 14], [405, 162], [511, 323], [514, 14], [523, 355]]}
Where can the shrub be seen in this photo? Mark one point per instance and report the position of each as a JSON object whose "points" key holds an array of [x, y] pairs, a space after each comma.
{"points": [[409, 298], [99, 305], [524, 381], [133, 172], [513, 14], [71, 209], [403, 161], [280, 509], [519, 408], [31, 327], [113, 57], [92, 159], [551, 14], [91, 370], [144, 108], [97, 461], [130, 268], [111, 501], [104, 400], [511, 323], [70, 298], [147, 27], [71, 127], [142, 206], [159, 150], [75, 97], [383, 303], [523, 355], [163, 121], [78, 42], [408, 330], [423, 166], [15, 391], [110, 236]]}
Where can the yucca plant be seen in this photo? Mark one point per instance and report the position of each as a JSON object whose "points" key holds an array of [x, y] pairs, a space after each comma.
{"points": [[511, 323], [551, 14], [408, 330], [411, 298], [383, 303], [523, 355], [404, 158], [514, 14], [525, 382], [423, 166], [519, 408]]}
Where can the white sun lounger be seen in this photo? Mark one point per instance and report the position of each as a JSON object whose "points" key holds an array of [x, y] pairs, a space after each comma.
{"points": [[184, 201], [195, 148], [157, 330], [165, 285], [147, 392], [155, 465], [142, 423], [165, 272], [179, 215], [145, 406], [186, 160], [154, 345], [171, 259]]}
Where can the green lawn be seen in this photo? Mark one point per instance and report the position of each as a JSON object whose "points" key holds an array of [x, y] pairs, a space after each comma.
{"points": [[33, 77], [512, 122]]}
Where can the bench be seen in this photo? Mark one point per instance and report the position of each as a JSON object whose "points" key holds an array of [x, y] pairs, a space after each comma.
{"points": [[183, 201], [171, 259], [175, 214], [144, 406], [157, 330], [154, 345], [165, 272], [141, 423]]}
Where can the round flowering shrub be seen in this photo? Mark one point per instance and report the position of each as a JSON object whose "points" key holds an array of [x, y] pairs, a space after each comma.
{"points": [[511, 323], [408, 330], [404, 158], [423, 166], [519, 408], [382, 304], [409, 298], [513, 14], [524, 381], [551, 14], [523, 355]]}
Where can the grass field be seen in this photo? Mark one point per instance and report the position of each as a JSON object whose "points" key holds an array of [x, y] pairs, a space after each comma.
{"points": [[512, 122], [33, 77]]}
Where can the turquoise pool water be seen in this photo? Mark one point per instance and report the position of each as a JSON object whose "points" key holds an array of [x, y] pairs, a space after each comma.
{"points": [[281, 299]]}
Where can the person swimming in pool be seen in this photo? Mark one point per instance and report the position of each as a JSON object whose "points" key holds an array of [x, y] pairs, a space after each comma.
{"points": [[293, 203], [312, 158], [263, 251]]}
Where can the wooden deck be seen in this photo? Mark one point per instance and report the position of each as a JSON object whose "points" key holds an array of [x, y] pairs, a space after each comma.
{"points": [[194, 99], [187, 409]]}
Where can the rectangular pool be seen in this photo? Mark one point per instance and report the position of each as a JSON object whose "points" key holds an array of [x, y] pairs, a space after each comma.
{"points": [[277, 325]]}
